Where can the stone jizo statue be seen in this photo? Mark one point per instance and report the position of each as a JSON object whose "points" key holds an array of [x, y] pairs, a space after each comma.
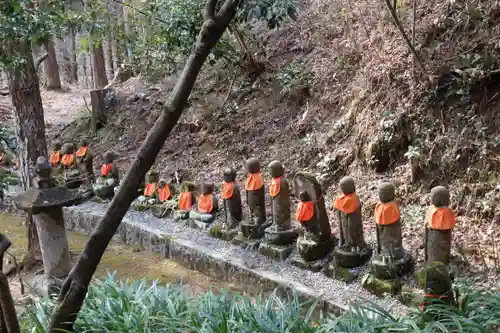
{"points": [[187, 197], [281, 231], [232, 200], [317, 240], [352, 250], [206, 205], [68, 156], [109, 177], [85, 159], [150, 190], [255, 192], [440, 221], [55, 156], [163, 190], [392, 259]]}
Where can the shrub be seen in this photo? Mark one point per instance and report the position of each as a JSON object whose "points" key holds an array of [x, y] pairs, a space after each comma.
{"points": [[142, 307]]}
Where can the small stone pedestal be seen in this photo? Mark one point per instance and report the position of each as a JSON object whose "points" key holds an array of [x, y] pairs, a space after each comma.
{"points": [[278, 244], [436, 282], [313, 256], [250, 235], [218, 230], [347, 264], [45, 203]]}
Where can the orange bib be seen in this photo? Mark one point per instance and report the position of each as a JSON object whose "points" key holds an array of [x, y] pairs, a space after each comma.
{"points": [[185, 201], [255, 181], [305, 211], [386, 213], [205, 203], [274, 189], [55, 158], [150, 189], [347, 203], [82, 151], [106, 169], [227, 190], [164, 193], [441, 218], [67, 159]]}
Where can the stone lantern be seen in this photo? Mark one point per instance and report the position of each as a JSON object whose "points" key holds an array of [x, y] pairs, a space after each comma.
{"points": [[45, 202]]}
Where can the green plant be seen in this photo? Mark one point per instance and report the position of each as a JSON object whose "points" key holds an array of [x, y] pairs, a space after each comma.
{"points": [[142, 307], [293, 74]]}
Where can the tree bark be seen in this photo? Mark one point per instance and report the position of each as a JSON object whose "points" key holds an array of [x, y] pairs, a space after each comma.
{"points": [[99, 66], [51, 67], [62, 43], [74, 63], [76, 285], [30, 125], [8, 314], [109, 54]]}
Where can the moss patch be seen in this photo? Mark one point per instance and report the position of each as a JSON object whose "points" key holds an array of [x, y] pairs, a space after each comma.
{"points": [[342, 274], [380, 287]]}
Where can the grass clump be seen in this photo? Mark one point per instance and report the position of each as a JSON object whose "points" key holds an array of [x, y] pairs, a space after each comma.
{"points": [[142, 307]]}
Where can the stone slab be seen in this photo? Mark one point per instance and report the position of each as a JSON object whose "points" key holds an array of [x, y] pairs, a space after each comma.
{"points": [[222, 260], [314, 266], [276, 252]]}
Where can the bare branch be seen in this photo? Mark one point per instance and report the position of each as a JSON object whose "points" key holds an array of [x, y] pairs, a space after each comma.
{"points": [[9, 317], [397, 23], [39, 61]]}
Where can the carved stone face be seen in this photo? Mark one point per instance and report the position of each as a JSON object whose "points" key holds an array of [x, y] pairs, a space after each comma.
{"points": [[252, 165], [84, 143], [207, 188], [162, 183], [440, 196], [386, 192], [152, 177], [67, 148], [229, 175], [347, 185], [56, 146], [276, 169], [304, 196], [108, 157]]}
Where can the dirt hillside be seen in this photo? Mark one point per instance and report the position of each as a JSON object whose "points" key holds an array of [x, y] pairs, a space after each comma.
{"points": [[341, 94]]}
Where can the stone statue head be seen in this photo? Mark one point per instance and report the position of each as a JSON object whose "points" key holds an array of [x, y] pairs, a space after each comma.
{"points": [[440, 196], [229, 175], [152, 177], [84, 142], [386, 192], [162, 183], [304, 196], [43, 167], [67, 148], [207, 188], [347, 185], [276, 169], [252, 165], [56, 146], [108, 157], [188, 186]]}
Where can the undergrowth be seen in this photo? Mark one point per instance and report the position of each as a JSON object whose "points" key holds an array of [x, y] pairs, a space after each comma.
{"points": [[142, 307]]}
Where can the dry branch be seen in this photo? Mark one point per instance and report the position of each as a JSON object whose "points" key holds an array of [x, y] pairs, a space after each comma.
{"points": [[40, 60], [8, 311], [397, 23], [75, 287]]}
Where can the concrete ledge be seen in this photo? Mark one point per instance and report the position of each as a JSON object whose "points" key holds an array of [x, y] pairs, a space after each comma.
{"points": [[219, 259]]}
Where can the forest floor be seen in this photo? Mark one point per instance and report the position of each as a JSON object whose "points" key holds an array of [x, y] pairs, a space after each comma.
{"points": [[341, 95]]}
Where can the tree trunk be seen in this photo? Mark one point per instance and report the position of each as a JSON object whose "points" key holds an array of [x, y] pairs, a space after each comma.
{"points": [[109, 55], [76, 285], [99, 66], [74, 62], [30, 125], [61, 43], [34, 254], [51, 67]]}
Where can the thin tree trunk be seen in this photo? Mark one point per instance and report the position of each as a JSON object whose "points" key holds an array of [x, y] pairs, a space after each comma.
{"points": [[51, 67], [61, 43], [99, 66], [109, 55], [30, 125], [74, 62], [76, 285], [85, 74]]}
